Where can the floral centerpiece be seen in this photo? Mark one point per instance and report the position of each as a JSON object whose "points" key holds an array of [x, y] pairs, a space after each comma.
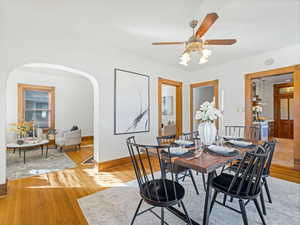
{"points": [[207, 114], [256, 111], [22, 128]]}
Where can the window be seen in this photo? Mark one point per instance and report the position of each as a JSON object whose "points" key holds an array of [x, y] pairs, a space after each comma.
{"points": [[37, 103]]}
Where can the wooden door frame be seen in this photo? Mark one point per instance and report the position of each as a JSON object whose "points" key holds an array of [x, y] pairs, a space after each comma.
{"points": [[211, 83], [295, 70], [178, 85]]}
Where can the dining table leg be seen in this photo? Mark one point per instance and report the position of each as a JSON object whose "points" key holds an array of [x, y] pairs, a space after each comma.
{"points": [[24, 155], [208, 194], [47, 148]]}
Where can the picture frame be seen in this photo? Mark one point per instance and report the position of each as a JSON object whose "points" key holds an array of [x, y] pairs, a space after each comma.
{"points": [[131, 102]]}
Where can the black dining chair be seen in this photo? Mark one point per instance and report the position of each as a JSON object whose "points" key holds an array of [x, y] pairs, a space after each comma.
{"points": [[270, 148], [180, 172], [244, 132], [245, 184], [190, 136], [162, 192]]}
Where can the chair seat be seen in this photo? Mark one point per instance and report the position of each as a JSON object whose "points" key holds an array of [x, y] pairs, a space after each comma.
{"points": [[223, 181], [159, 193]]}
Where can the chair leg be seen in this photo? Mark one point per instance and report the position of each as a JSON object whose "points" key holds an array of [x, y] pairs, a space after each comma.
{"points": [[204, 181], [185, 174], [186, 214], [162, 216], [259, 212], [224, 199], [267, 189], [213, 201], [193, 180], [262, 200], [231, 199], [136, 212], [243, 211], [176, 179]]}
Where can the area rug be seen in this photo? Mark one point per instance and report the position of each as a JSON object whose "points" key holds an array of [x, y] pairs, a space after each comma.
{"points": [[36, 164], [116, 206]]}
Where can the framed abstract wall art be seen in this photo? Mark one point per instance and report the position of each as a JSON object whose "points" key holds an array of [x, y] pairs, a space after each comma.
{"points": [[131, 102]]}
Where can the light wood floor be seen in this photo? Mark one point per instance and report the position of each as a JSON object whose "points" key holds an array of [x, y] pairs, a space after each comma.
{"points": [[284, 152]]}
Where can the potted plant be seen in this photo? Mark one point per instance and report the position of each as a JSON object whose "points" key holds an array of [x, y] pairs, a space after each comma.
{"points": [[207, 115]]}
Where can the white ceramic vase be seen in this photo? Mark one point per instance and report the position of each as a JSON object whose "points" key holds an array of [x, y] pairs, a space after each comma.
{"points": [[207, 133]]}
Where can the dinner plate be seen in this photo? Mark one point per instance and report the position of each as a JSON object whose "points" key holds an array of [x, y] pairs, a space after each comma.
{"points": [[240, 143], [184, 143], [222, 150], [178, 150]]}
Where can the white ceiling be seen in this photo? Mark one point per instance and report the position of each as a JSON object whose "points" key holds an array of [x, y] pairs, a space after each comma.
{"points": [[258, 25]]}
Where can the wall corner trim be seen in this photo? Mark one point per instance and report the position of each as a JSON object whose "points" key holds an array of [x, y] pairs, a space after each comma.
{"points": [[3, 190]]}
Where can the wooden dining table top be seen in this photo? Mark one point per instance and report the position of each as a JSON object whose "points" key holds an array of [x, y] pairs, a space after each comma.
{"points": [[206, 161]]}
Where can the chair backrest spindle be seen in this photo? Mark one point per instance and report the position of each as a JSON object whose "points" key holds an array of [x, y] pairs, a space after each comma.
{"points": [[248, 176], [143, 157]]}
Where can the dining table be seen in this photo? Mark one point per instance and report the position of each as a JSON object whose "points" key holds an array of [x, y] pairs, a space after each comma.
{"points": [[206, 162]]}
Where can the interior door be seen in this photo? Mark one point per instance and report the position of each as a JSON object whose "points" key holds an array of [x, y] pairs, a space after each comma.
{"points": [[170, 107], [199, 93], [283, 109]]}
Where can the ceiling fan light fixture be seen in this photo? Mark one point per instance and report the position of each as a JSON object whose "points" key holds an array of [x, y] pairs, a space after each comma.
{"points": [[196, 44]]}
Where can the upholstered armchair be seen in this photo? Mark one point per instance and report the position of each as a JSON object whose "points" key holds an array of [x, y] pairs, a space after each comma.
{"points": [[68, 138]]}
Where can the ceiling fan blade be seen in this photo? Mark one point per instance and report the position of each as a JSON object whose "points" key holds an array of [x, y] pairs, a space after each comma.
{"points": [[206, 24], [220, 42], [168, 43]]}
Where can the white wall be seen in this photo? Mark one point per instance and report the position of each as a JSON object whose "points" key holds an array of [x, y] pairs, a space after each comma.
{"points": [[231, 77], [73, 98]]}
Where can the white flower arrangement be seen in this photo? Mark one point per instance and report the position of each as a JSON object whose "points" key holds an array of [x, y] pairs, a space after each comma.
{"points": [[257, 109], [208, 112]]}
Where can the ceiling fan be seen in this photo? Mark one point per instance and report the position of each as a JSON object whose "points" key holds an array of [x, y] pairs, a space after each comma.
{"points": [[196, 44]]}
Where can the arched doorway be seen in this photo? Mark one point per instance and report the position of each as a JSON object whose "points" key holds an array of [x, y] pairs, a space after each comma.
{"points": [[95, 85]]}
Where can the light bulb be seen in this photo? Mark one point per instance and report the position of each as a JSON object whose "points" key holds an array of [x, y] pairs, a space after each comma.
{"points": [[185, 57], [183, 62], [203, 60], [206, 52]]}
